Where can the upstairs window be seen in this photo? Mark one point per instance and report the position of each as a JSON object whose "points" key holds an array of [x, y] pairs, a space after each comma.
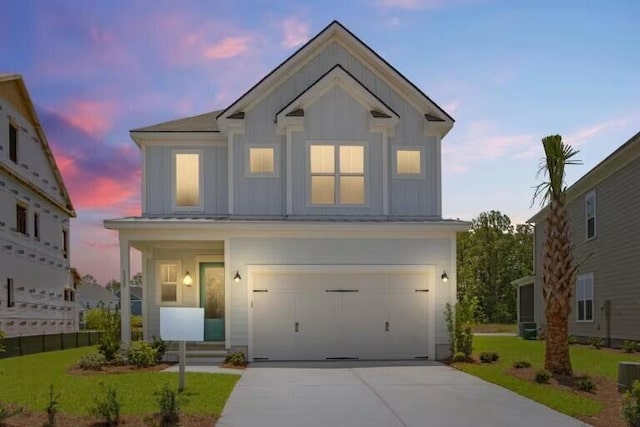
{"points": [[69, 295], [21, 219], [262, 161], [13, 143], [168, 282], [65, 243], [584, 298], [188, 185], [337, 174], [408, 163], [11, 301], [590, 214], [36, 225]]}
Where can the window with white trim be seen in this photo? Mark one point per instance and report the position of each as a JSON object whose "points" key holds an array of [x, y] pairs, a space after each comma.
{"points": [[337, 174], [187, 184], [584, 298], [169, 289], [408, 162], [590, 214], [261, 161]]}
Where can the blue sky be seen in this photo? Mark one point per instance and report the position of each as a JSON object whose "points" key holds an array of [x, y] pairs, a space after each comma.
{"points": [[509, 72]]}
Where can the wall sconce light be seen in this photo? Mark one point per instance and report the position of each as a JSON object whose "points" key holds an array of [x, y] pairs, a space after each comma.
{"points": [[237, 277], [444, 277], [187, 280]]}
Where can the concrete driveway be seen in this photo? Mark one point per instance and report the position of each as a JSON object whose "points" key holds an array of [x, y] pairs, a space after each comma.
{"points": [[382, 394]]}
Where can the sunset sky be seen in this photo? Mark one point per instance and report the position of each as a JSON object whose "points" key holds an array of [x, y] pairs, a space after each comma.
{"points": [[509, 72]]}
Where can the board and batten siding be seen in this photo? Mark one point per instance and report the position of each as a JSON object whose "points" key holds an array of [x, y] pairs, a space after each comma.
{"points": [[159, 178], [613, 256]]}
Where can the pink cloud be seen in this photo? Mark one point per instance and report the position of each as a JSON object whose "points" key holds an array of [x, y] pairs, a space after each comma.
{"points": [[228, 48], [422, 4], [92, 117], [295, 32]]}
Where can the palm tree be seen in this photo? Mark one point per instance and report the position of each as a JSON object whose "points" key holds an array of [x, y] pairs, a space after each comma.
{"points": [[559, 273]]}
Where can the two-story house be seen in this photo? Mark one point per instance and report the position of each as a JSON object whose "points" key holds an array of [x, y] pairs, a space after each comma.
{"points": [[305, 217], [603, 208], [36, 290]]}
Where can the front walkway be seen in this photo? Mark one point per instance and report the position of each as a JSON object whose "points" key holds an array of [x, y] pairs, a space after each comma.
{"points": [[377, 394]]}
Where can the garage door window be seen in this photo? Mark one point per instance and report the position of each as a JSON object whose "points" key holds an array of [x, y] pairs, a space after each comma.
{"points": [[337, 174]]}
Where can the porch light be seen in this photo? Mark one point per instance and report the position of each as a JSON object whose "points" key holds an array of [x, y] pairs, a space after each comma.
{"points": [[444, 277], [237, 277], [187, 280]]}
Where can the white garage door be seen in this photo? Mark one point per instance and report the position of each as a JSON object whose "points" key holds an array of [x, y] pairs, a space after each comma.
{"points": [[317, 315]]}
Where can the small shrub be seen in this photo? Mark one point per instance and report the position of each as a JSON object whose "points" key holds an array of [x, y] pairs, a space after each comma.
{"points": [[236, 359], [489, 357], [597, 342], [585, 384], [160, 346], [629, 347], [459, 357], [631, 405], [2, 347], [142, 355], [521, 364], [52, 408], [542, 377], [107, 408], [465, 341], [8, 411], [119, 359], [109, 342], [93, 361], [572, 340], [169, 407]]}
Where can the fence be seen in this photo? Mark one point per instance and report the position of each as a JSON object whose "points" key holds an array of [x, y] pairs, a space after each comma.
{"points": [[21, 345]]}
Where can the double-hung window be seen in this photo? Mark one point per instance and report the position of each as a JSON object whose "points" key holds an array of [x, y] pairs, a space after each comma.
{"points": [[169, 290], [187, 185], [584, 298], [590, 214], [21, 218], [337, 173]]}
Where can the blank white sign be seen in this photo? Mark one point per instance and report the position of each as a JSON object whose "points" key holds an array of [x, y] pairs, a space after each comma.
{"points": [[182, 323]]}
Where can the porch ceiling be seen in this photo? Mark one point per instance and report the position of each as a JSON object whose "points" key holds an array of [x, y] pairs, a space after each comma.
{"points": [[214, 245]]}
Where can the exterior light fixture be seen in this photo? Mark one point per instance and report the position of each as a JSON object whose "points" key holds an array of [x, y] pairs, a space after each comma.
{"points": [[444, 277], [237, 277], [187, 280]]}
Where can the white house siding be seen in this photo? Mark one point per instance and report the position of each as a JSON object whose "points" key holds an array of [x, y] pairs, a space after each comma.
{"points": [[159, 180]]}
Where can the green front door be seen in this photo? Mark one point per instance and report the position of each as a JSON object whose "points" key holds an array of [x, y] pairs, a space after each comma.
{"points": [[212, 299]]}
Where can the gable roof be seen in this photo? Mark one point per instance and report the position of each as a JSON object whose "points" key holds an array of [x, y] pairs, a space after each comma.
{"points": [[95, 292], [201, 123], [338, 30], [17, 80], [625, 154], [135, 293]]}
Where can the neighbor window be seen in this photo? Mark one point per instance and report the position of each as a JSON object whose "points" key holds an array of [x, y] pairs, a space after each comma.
{"points": [[590, 214], [36, 225], [261, 160], [10, 293], [584, 298], [168, 283], [69, 295], [21, 219], [13, 143], [337, 174], [65, 243], [408, 162], [187, 181]]}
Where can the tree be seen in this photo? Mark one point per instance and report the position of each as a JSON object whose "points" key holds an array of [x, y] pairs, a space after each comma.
{"points": [[113, 286], [136, 280], [88, 279], [559, 272]]}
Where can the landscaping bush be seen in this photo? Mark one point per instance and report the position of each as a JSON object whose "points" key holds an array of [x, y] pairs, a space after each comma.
{"points": [[585, 384], [169, 407], [631, 405], [572, 340], [489, 357], [52, 408], [107, 408], [160, 346], [109, 343], [459, 357], [7, 411], [597, 343], [458, 320], [93, 361], [520, 364], [119, 359], [629, 347], [142, 355], [542, 377], [236, 359], [2, 347]]}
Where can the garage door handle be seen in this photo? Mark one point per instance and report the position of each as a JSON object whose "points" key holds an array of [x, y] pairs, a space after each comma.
{"points": [[386, 326], [297, 326]]}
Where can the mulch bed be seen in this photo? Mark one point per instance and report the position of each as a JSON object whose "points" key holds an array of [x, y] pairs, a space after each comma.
{"points": [[37, 419], [605, 393], [115, 369], [230, 366]]}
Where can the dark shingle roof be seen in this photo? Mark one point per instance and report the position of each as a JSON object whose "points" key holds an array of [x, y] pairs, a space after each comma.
{"points": [[201, 123]]}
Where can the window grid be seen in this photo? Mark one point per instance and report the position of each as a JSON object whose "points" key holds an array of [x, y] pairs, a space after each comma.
{"points": [[339, 170], [168, 283], [584, 298]]}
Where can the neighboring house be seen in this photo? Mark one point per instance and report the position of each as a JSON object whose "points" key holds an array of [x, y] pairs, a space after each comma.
{"points": [[305, 217], [36, 290], [604, 208], [136, 300], [93, 295]]}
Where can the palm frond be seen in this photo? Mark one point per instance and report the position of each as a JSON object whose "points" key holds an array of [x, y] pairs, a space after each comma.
{"points": [[558, 155]]}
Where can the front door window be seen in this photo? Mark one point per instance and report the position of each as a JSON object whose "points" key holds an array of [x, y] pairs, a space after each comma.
{"points": [[212, 300]]}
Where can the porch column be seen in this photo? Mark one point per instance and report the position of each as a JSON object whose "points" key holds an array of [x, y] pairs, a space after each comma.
{"points": [[125, 294]]}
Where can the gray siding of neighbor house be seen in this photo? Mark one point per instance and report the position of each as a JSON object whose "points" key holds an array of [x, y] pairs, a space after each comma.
{"points": [[613, 256]]}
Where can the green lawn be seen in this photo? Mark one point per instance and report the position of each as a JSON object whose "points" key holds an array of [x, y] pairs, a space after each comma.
{"points": [[484, 328], [25, 380], [585, 361]]}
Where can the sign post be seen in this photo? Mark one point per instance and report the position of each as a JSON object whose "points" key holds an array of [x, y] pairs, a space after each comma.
{"points": [[182, 324]]}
